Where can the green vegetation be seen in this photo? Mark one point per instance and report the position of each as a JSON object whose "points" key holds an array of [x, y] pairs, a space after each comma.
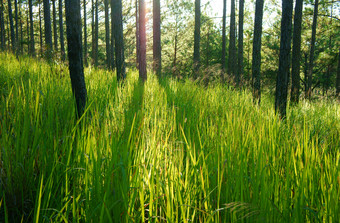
{"points": [[169, 151]]}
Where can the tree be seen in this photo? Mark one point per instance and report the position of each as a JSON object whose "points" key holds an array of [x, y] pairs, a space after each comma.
{"points": [[142, 41], [256, 66], [223, 39], [96, 35], [2, 26], [85, 34], [112, 36], [137, 35], [75, 53], [157, 49], [61, 30], [284, 59], [232, 43], [119, 41], [197, 37], [296, 56], [311, 54], [107, 33], [40, 30], [240, 43], [10, 15], [48, 30], [32, 47], [55, 33]]}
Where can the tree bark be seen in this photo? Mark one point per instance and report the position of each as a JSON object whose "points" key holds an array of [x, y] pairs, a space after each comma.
{"points": [[256, 65], [197, 38], [48, 30], [32, 48], [119, 41], [75, 53], [232, 44], [157, 48], [107, 34], [296, 56], [85, 34], [10, 15], [113, 65], [312, 48], [96, 35], [137, 36], [61, 30], [92, 31], [223, 60], [2, 26], [240, 43], [284, 60], [142, 41], [55, 33]]}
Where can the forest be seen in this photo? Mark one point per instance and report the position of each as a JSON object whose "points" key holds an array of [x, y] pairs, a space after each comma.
{"points": [[169, 111]]}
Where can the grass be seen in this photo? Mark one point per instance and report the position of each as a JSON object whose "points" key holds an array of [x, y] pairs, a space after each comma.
{"points": [[165, 151]]}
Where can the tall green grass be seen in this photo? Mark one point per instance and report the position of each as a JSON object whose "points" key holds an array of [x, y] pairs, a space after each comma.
{"points": [[165, 151]]}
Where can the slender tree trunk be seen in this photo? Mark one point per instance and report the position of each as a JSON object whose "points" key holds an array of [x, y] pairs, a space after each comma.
{"points": [[21, 29], [85, 34], [119, 41], [232, 44], [92, 31], [197, 38], [312, 48], [40, 31], [75, 53], [16, 26], [142, 41], [2, 26], [48, 30], [256, 65], [240, 44], [107, 33], [11, 25], [61, 30], [296, 56], [32, 48], [55, 33], [223, 60], [284, 60], [157, 48], [137, 36], [113, 65], [338, 78], [96, 35]]}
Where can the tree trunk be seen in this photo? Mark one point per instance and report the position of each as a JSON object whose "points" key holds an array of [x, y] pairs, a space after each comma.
{"points": [[61, 30], [48, 30], [75, 53], [113, 65], [240, 44], [157, 48], [85, 34], [2, 26], [21, 31], [119, 41], [284, 60], [11, 25], [256, 65], [96, 35], [142, 41], [137, 36], [32, 47], [224, 39], [92, 31], [312, 48], [232, 44], [296, 56], [107, 34], [197, 38], [338, 78], [16, 26]]}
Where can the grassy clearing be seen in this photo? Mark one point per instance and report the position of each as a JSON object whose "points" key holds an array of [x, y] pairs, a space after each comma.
{"points": [[165, 151]]}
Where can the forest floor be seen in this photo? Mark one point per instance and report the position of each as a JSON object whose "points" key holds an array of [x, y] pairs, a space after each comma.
{"points": [[163, 151]]}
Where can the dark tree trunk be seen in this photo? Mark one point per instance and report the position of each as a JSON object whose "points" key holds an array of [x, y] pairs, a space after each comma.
{"points": [[55, 33], [240, 44], [2, 26], [137, 36], [197, 37], [113, 65], [119, 41], [338, 78], [142, 41], [11, 25], [40, 30], [16, 26], [75, 53], [157, 48], [32, 47], [107, 33], [223, 62], [92, 31], [256, 65], [312, 48], [61, 30], [85, 34], [21, 31], [48, 30], [296, 55], [232, 44], [284, 60], [96, 35]]}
